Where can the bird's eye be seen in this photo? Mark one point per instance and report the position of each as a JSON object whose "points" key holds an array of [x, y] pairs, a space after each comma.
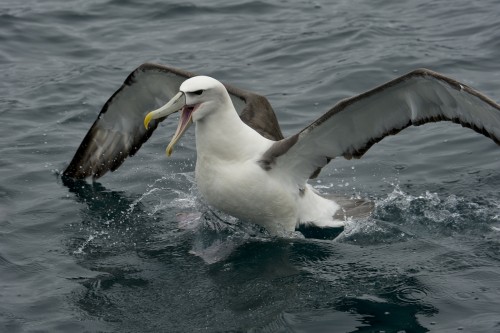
{"points": [[198, 92]]}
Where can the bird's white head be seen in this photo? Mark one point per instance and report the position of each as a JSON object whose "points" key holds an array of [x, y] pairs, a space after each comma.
{"points": [[198, 98], [205, 94]]}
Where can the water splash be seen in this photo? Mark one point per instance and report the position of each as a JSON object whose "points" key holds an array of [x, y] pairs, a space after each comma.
{"points": [[438, 214], [87, 242], [401, 216]]}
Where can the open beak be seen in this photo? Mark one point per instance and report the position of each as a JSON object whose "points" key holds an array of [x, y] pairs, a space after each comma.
{"points": [[177, 103]]}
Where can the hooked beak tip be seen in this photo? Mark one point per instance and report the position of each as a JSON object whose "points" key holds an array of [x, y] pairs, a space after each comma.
{"points": [[147, 120], [174, 105], [169, 150]]}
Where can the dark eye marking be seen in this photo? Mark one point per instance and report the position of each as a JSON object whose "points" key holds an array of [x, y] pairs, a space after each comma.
{"points": [[198, 92]]}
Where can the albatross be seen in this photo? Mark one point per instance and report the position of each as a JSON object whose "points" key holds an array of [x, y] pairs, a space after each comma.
{"points": [[244, 166]]}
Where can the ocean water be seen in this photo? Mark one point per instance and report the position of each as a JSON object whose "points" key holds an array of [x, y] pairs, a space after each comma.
{"points": [[139, 251]]}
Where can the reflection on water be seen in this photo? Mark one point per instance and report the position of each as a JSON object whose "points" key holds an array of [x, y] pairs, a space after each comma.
{"points": [[237, 274]]}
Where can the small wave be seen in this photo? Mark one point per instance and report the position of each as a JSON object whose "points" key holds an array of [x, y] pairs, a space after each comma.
{"points": [[411, 294], [401, 216], [439, 214]]}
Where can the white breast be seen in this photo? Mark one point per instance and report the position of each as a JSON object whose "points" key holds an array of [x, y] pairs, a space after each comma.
{"points": [[244, 190]]}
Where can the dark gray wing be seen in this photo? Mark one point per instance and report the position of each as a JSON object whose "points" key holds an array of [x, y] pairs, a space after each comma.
{"points": [[353, 125], [256, 112], [118, 131]]}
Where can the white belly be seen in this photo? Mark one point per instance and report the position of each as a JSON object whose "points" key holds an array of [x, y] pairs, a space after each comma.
{"points": [[247, 192]]}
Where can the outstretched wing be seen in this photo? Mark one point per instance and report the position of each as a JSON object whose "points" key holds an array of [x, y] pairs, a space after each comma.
{"points": [[118, 131], [353, 125]]}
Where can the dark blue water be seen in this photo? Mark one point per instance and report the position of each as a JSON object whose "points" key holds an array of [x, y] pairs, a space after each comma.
{"points": [[131, 253]]}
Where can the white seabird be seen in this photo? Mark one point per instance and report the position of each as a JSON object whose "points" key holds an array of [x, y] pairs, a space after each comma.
{"points": [[244, 165], [235, 169]]}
